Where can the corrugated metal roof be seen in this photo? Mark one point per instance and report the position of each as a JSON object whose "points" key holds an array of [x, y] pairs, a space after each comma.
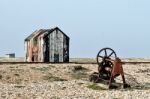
{"points": [[35, 33]]}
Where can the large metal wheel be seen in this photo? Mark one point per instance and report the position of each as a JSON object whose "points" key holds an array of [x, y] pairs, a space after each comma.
{"points": [[106, 53]]}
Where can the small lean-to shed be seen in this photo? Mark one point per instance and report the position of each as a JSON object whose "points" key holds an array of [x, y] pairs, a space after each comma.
{"points": [[31, 48], [47, 45], [10, 55]]}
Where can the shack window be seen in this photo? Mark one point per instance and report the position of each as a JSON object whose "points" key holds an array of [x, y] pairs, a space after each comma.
{"points": [[35, 42]]}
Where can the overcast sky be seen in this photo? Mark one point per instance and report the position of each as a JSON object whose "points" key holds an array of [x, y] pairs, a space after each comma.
{"points": [[123, 25]]}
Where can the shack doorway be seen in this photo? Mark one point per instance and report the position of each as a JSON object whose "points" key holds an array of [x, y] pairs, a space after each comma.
{"points": [[46, 49], [56, 57]]}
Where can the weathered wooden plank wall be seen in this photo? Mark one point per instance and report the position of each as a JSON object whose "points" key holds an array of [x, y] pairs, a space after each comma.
{"points": [[56, 46]]}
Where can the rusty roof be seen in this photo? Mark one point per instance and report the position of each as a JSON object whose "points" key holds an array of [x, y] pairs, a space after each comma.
{"points": [[35, 33]]}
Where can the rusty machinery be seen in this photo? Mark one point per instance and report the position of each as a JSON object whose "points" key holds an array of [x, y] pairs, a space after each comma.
{"points": [[109, 67]]}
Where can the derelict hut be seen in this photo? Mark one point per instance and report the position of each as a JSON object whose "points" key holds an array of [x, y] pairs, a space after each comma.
{"points": [[47, 45]]}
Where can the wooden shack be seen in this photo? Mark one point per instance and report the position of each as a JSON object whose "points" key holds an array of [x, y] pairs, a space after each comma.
{"points": [[47, 45]]}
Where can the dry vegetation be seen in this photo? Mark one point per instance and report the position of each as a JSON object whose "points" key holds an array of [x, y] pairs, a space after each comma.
{"points": [[57, 81]]}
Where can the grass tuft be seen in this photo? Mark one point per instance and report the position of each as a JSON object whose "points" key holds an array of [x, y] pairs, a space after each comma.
{"points": [[1, 76], [41, 69], [53, 78], [79, 75], [96, 87]]}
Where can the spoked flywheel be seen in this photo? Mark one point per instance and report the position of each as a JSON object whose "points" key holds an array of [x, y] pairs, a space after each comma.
{"points": [[106, 53]]}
